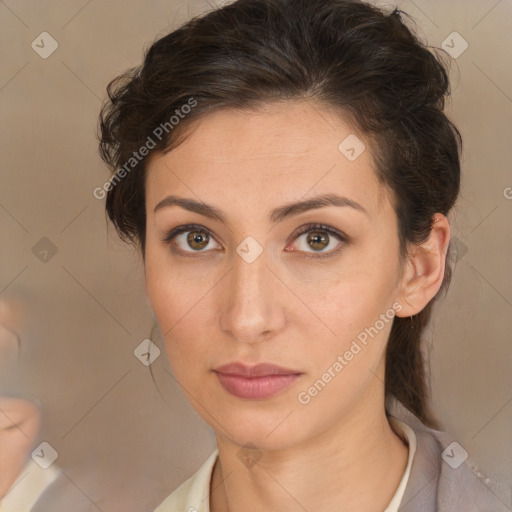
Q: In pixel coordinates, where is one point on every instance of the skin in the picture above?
(286, 307)
(19, 426)
(11, 319)
(19, 418)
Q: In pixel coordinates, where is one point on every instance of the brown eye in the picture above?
(318, 238)
(198, 240)
(189, 239)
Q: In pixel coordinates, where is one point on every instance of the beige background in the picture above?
(122, 444)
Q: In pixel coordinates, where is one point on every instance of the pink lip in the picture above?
(259, 370)
(260, 381)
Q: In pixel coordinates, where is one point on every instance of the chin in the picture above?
(264, 429)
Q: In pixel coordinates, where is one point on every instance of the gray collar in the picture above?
(439, 483)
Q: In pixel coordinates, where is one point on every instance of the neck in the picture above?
(356, 464)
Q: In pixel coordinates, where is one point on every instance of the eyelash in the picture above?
(345, 239)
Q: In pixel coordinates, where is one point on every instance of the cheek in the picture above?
(177, 305)
(355, 304)
(343, 366)
(165, 291)
(351, 299)
(156, 289)
(358, 334)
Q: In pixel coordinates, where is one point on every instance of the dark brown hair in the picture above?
(361, 61)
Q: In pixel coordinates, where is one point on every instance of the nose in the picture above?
(251, 309)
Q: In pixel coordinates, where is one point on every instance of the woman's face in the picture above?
(246, 286)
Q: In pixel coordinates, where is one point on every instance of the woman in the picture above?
(287, 170)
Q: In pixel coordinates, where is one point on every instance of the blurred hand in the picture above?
(12, 314)
(20, 420)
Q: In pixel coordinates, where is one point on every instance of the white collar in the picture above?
(194, 494)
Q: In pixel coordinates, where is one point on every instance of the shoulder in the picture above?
(192, 495)
(444, 478)
(32, 482)
(461, 484)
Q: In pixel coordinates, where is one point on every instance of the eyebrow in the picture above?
(276, 215)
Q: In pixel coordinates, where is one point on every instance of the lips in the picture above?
(259, 370)
(255, 382)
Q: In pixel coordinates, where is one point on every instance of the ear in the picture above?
(423, 272)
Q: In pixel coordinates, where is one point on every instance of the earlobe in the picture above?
(424, 270)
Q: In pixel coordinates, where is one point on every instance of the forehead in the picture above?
(279, 152)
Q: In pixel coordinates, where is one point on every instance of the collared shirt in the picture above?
(30, 484)
(193, 495)
(439, 477)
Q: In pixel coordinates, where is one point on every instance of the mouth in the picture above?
(255, 382)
